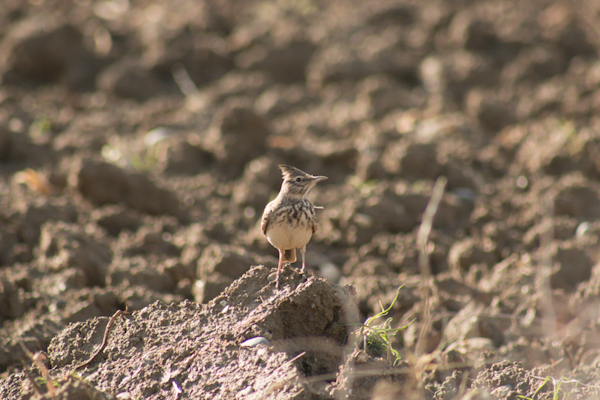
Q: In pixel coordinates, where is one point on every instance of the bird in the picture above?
(290, 220)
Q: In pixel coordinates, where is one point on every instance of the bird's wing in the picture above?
(315, 226)
(264, 222)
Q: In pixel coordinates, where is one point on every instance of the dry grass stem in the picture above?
(424, 267)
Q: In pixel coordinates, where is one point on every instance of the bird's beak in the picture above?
(317, 179)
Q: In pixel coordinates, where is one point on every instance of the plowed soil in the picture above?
(139, 145)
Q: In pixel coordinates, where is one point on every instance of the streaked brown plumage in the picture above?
(289, 221)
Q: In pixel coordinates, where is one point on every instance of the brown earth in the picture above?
(139, 144)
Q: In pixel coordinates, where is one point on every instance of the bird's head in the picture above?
(297, 182)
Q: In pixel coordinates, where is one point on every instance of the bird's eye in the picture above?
(299, 179)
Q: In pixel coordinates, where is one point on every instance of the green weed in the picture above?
(376, 337)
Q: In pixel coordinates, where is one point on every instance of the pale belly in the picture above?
(286, 239)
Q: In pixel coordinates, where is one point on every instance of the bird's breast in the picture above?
(285, 237)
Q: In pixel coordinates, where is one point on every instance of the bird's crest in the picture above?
(289, 171)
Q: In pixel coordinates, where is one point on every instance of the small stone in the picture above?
(255, 341)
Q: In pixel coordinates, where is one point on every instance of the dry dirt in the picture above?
(139, 144)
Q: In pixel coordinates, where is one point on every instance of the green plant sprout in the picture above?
(40, 128)
(377, 337)
(140, 163)
(146, 162)
(43, 381)
(555, 393)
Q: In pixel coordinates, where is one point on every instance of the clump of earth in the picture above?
(139, 145)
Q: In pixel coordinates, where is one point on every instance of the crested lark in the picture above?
(290, 220)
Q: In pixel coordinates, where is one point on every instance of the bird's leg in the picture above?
(279, 268)
(303, 253)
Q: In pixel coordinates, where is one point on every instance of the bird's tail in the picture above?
(289, 255)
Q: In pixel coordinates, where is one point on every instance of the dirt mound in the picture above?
(235, 344)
